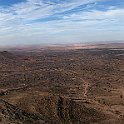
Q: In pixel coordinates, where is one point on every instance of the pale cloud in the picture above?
(19, 24)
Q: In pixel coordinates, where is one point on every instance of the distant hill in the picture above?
(56, 47)
(6, 56)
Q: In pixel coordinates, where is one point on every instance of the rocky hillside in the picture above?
(7, 57)
(10, 114)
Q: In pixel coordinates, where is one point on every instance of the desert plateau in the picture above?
(74, 85)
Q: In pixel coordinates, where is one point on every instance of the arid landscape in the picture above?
(74, 84)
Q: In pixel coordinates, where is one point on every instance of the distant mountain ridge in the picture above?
(7, 56)
(64, 46)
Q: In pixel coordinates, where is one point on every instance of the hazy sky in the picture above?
(60, 21)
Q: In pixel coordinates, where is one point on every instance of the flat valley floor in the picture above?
(84, 86)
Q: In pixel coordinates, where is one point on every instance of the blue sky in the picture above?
(60, 21)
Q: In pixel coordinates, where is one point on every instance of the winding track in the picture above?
(84, 81)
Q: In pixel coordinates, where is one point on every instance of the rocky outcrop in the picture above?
(65, 110)
(10, 114)
(75, 111)
(54, 110)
